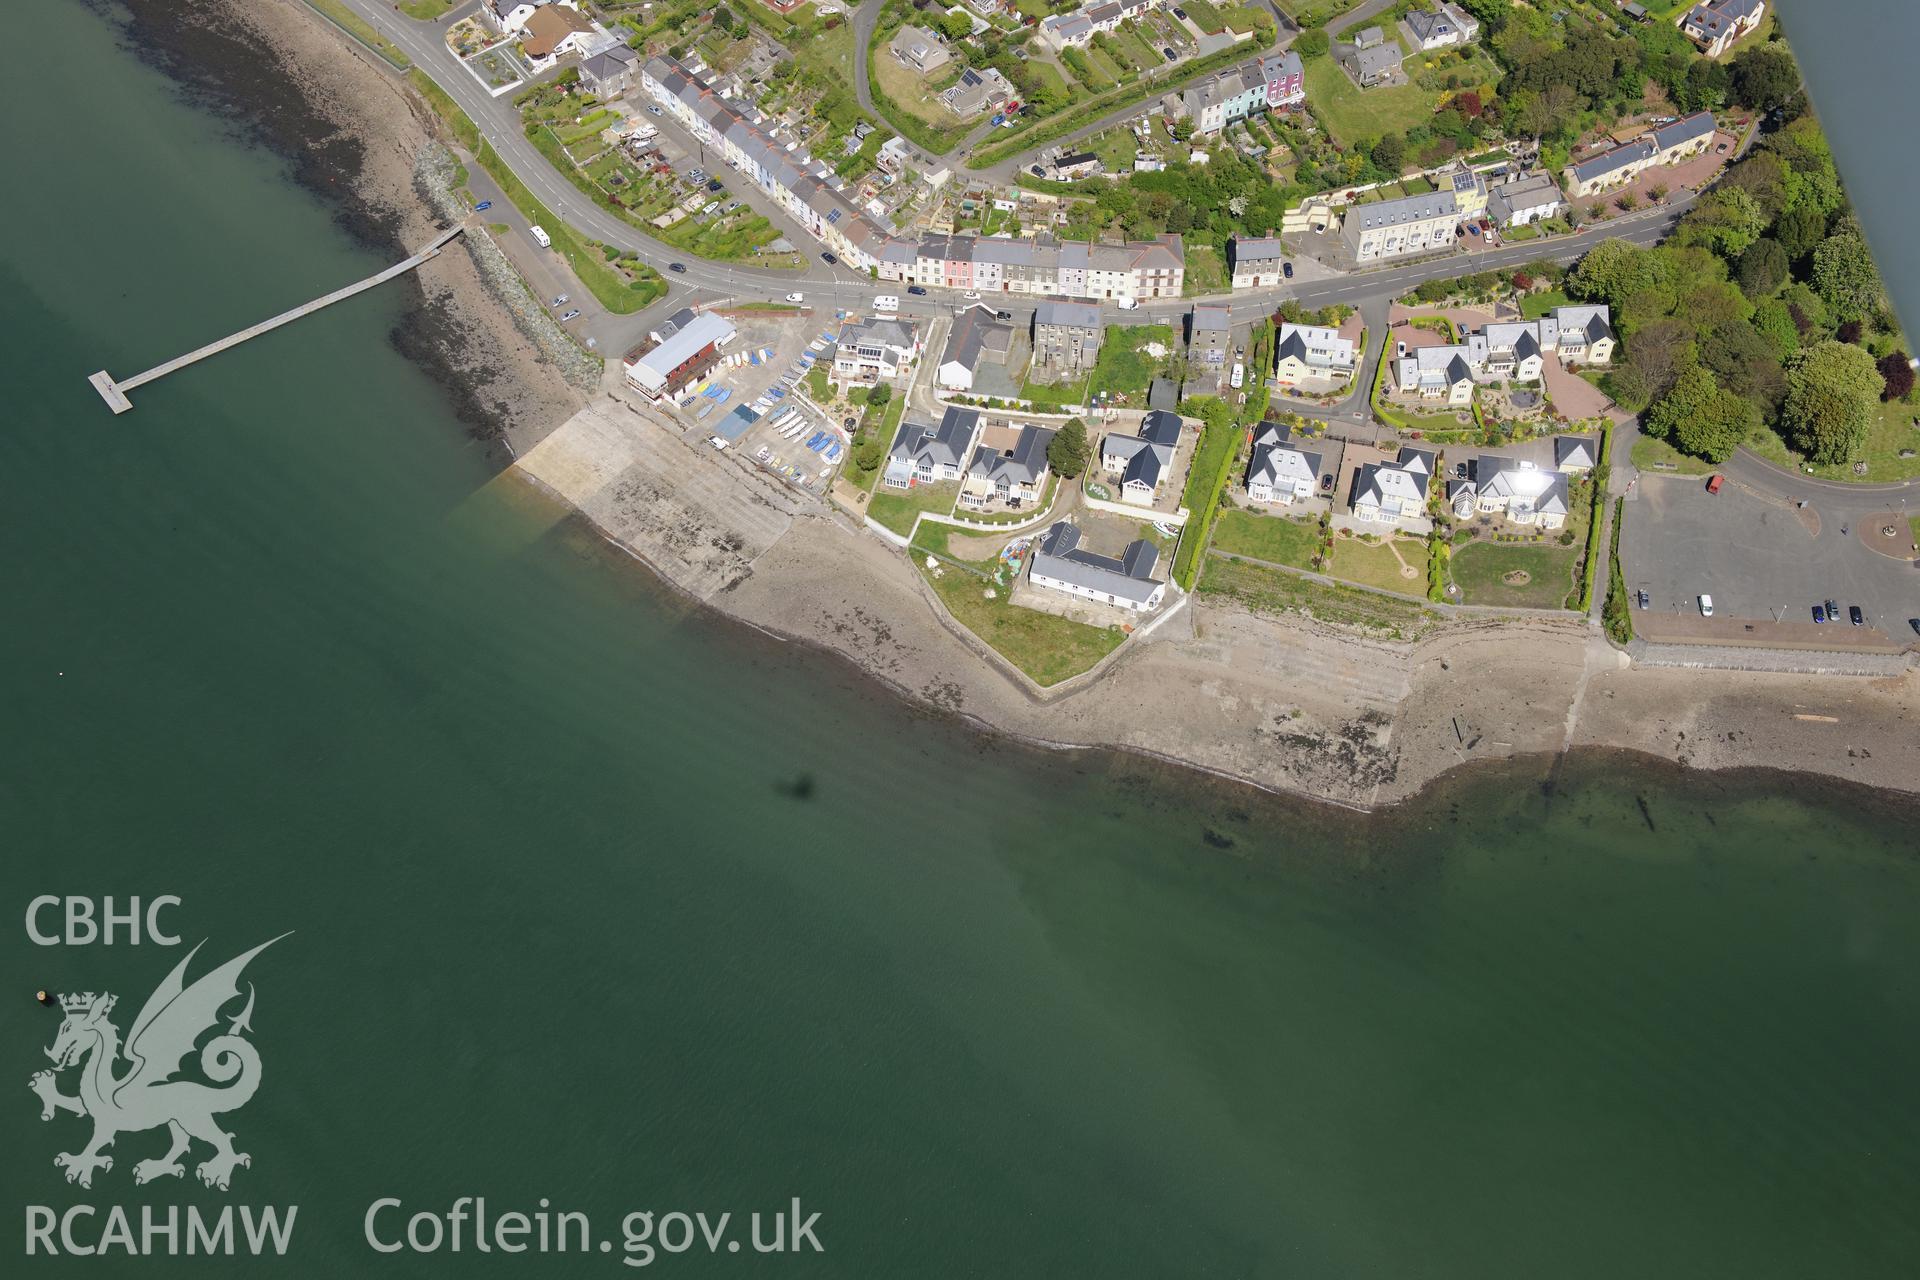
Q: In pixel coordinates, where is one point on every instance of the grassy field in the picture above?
(897, 509)
(1657, 457)
(1273, 538)
(904, 97)
(427, 10)
(1372, 564)
(1480, 567)
(1353, 114)
(1047, 648)
(1892, 430)
(1275, 591)
(1122, 365)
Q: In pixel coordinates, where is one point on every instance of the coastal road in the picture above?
(499, 123)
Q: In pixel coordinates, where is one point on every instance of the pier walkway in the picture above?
(114, 392)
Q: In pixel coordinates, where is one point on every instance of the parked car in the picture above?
(483, 206)
(718, 442)
(829, 259)
(653, 111)
(1642, 598)
(1854, 616)
(796, 297)
(680, 267)
(1714, 483)
(1706, 605)
(1003, 315)
(916, 291)
(1286, 269)
(560, 301)
(971, 296)
(1833, 611)
(1915, 624)
(573, 313)
(1819, 613)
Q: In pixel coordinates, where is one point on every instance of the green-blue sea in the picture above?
(603, 903)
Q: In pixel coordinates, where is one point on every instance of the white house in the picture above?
(875, 349)
(1138, 463)
(923, 454)
(1304, 351)
(1062, 564)
(1280, 472)
(1435, 373)
(1391, 492)
(1531, 198)
(555, 30)
(1715, 25)
(508, 16)
(1009, 466)
(1518, 488)
(1441, 27)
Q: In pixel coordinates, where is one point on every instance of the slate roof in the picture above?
(1024, 464)
(1573, 451)
(1698, 125)
(977, 334)
(1405, 209)
(944, 445)
(1072, 315)
(1129, 577)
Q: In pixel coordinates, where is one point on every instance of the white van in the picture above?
(540, 237)
(1706, 606)
(887, 302)
(1239, 375)
(1127, 304)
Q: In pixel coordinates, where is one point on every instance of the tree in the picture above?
(879, 393)
(1390, 153)
(1765, 77)
(1832, 389)
(867, 455)
(1850, 331)
(955, 26)
(1896, 370)
(1717, 428)
(1686, 400)
(1772, 321)
(1467, 103)
(1068, 452)
(1844, 276)
(1725, 221)
(1763, 268)
(723, 18)
(1313, 44)
(1183, 128)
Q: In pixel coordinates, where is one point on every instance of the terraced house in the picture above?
(1397, 228)
(1512, 351)
(805, 188)
(1042, 266)
(1265, 84)
(1669, 144)
(1074, 30)
(1259, 262)
(1066, 335)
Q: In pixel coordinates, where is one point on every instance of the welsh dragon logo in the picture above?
(147, 1095)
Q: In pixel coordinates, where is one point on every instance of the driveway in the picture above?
(1573, 395)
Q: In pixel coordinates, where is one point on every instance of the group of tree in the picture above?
(1752, 313)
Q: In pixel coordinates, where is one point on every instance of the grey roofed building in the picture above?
(978, 333)
(1078, 315)
(919, 49)
(1637, 152)
(1023, 464)
(1694, 127)
(978, 90)
(1525, 490)
(1402, 210)
(1536, 195)
(1446, 23)
(1163, 394)
(1145, 455)
(1209, 337)
(927, 454)
(1371, 66)
(1061, 558)
(1277, 462)
(610, 72)
(1370, 37)
(1573, 452)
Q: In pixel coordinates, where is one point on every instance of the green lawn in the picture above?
(1116, 148)
(897, 509)
(427, 10)
(1047, 648)
(1535, 305)
(1353, 114)
(360, 29)
(1276, 591)
(1479, 570)
(1273, 538)
(1372, 564)
(1657, 457)
(1892, 430)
